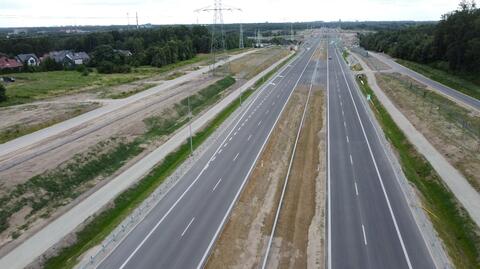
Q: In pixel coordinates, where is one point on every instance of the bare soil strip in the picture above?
(299, 238)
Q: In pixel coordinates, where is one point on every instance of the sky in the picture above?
(25, 13)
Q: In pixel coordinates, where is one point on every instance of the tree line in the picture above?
(453, 44)
(157, 46)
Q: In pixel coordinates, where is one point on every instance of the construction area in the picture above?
(44, 180)
(299, 236)
(454, 130)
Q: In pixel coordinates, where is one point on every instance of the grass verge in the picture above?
(345, 55)
(464, 84)
(452, 223)
(104, 223)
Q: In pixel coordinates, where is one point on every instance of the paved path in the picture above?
(62, 226)
(445, 90)
(456, 182)
(36, 137)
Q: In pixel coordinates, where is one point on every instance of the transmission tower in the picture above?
(218, 39)
(240, 43)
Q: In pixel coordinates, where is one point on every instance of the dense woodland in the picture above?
(453, 44)
(157, 47)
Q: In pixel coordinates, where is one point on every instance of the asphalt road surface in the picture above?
(180, 231)
(369, 222)
(456, 95)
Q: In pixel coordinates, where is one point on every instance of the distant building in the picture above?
(68, 58)
(76, 58)
(9, 64)
(29, 58)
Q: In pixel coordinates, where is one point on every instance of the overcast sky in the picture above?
(22, 13)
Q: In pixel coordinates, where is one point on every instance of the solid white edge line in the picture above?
(356, 188)
(188, 226)
(277, 215)
(376, 169)
(220, 227)
(329, 196)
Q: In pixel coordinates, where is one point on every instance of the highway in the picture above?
(454, 94)
(181, 230)
(369, 221)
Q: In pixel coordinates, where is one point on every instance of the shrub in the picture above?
(3, 93)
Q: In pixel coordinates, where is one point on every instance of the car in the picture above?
(8, 79)
(329, 58)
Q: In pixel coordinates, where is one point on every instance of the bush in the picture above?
(3, 93)
(105, 67)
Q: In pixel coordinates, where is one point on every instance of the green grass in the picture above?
(345, 55)
(104, 223)
(456, 229)
(465, 84)
(30, 87)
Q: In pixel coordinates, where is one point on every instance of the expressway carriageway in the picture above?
(182, 228)
(370, 224)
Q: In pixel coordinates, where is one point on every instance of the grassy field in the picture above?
(452, 223)
(30, 87)
(467, 85)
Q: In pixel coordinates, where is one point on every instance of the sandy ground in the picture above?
(260, 59)
(125, 124)
(299, 237)
(462, 150)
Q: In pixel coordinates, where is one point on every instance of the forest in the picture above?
(453, 44)
(157, 46)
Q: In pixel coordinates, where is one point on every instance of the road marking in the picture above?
(329, 196)
(230, 139)
(220, 151)
(250, 136)
(226, 144)
(364, 235)
(356, 188)
(399, 234)
(351, 160)
(348, 140)
(220, 227)
(260, 122)
(188, 226)
(234, 134)
(343, 113)
(213, 158)
(236, 156)
(344, 124)
(218, 182)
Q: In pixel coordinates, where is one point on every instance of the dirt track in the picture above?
(299, 239)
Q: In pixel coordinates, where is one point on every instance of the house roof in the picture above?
(58, 56)
(8, 63)
(25, 57)
(79, 56)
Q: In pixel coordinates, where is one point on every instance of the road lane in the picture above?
(374, 229)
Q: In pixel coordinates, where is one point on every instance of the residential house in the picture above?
(29, 58)
(77, 58)
(57, 56)
(9, 64)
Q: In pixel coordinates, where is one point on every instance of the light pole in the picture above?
(190, 125)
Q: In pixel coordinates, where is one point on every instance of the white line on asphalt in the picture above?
(213, 158)
(329, 196)
(356, 188)
(220, 151)
(343, 112)
(236, 156)
(364, 235)
(230, 139)
(218, 182)
(220, 227)
(348, 140)
(234, 134)
(239, 117)
(225, 145)
(376, 169)
(351, 160)
(250, 136)
(344, 124)
(260, 122)
(188, 226)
